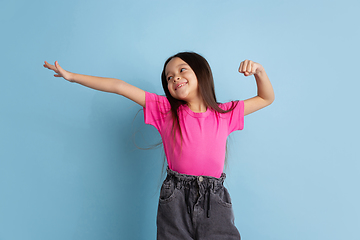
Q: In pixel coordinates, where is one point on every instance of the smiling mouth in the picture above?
(179, 86)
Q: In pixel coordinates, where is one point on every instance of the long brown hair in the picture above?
(206, 85)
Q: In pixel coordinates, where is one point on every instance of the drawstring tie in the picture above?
(208, 203)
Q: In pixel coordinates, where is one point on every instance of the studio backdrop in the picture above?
(72, 159)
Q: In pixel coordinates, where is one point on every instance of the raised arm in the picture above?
(112, 85)
(265, 93)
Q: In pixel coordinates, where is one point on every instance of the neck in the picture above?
(197, 106)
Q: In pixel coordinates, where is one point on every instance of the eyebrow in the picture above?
(177, 67)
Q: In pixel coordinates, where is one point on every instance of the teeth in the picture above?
(180, 85)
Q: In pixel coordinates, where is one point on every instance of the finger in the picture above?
(240, 68)
(54, 69)
(244, 67)
(45, 64)
(249, 67)
(49, 66)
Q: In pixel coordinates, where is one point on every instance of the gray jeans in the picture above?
(195, 207)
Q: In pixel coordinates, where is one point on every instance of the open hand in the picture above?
(249, 67)
(60, 72)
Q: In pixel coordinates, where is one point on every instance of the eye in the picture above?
(169, 78)
(183, 69)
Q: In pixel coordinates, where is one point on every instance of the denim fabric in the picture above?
(195, 208)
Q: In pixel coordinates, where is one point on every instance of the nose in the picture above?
(177, 78)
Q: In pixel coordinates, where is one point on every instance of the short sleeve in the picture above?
(236, 116)
(156, 109)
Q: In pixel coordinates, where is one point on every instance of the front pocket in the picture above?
(167, 191)
(223, 197)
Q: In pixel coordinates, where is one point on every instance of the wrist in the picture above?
(260, 72)
(71, 77)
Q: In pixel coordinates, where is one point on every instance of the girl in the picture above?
(193, 202)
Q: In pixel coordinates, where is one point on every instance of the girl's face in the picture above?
(182, 81)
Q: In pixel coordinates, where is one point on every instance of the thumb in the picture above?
(61, 72)
(58, 66)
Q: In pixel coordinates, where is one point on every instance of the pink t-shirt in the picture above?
(203, 145)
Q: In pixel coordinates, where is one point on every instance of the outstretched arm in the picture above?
(112, 85)
(265, 94)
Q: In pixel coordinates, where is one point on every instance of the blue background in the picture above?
(69, 167)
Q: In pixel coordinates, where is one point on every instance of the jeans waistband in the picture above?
(205, 182)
